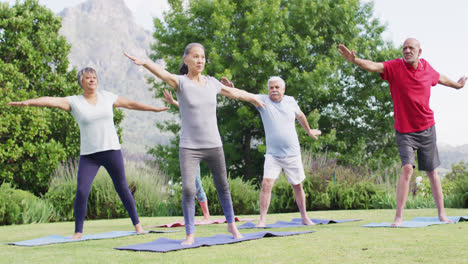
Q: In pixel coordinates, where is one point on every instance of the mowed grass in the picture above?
(334, 243)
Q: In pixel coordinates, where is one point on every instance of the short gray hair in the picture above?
(80, 74)
(274, 79)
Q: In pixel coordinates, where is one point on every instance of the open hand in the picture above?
(347, 54)
(314, 133)
(226, 82)
(160, 109)
(23, 103)
(137, 61)
(168, 97)
(258, 103)
(461, 82)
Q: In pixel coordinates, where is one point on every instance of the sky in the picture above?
(440, 26)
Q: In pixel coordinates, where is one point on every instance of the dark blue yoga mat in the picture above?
(55, 239)
(166, 244)
(420, 222)
(295, 223)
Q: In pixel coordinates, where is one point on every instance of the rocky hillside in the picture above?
(99, 32)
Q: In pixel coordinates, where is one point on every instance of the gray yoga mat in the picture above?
(420, 222)
(55, 239)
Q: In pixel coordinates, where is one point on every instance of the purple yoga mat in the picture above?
(166, 244)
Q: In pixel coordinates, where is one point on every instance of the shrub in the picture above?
(351, 196)
(22, 207)
(461, 192)
(145, 183)
(62, 197)
(244, 196)
(316, 195)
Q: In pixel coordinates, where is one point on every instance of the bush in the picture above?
(316, 195)
(347, 196)
(460, 199)
(62, 198)
(145, 183)
(282, 197)
(244, 196)
(22, 207)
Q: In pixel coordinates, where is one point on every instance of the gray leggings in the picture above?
(189, 162)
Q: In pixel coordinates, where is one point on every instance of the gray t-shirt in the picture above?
(279, 122)
(197, 106)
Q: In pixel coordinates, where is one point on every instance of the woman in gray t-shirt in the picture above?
(199, 134)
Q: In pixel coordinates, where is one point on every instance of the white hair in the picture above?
(276, 79)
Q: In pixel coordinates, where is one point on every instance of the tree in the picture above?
(249, 41)
(33, 63)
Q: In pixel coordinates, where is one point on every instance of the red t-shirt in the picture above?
(411, 90)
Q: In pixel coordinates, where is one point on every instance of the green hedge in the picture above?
(22, 207)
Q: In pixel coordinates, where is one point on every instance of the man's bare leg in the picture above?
(402, 193)
(265, 197)
(301, 203)
(436, 188)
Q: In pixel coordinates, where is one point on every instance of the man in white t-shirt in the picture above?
(283, 150)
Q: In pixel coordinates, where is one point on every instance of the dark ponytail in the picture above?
(183, 67)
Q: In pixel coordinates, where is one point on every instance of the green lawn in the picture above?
(335, 243)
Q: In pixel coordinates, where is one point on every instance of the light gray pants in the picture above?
(189, 162)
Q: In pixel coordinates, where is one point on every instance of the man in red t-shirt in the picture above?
(410, 80)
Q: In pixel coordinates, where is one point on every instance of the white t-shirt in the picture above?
(197, 106)
(96, 122)
(279, 122)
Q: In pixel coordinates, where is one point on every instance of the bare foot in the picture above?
(77, 236)
(397, 221)
(444, 218)
(261, 222)
(139, 229)
(232, 228)
(306, 221)
(189, 240)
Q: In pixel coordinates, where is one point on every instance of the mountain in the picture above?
(452, 155)
(99, 32)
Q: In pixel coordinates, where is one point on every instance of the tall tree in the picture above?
(33, 63)
(249, 40)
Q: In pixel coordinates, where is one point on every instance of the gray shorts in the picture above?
(425, 144)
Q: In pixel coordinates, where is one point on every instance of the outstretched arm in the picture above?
(238, 94)
(57, 102)
(364, 64)
(169, 99)
(133, 105)
(157, 70)
(444, 80)
(305, 124)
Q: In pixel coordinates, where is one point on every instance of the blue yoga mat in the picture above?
(55, 239)
(420, 222)
(295, 223)
(166, 244)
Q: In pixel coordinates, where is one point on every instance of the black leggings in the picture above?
(88, 167)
